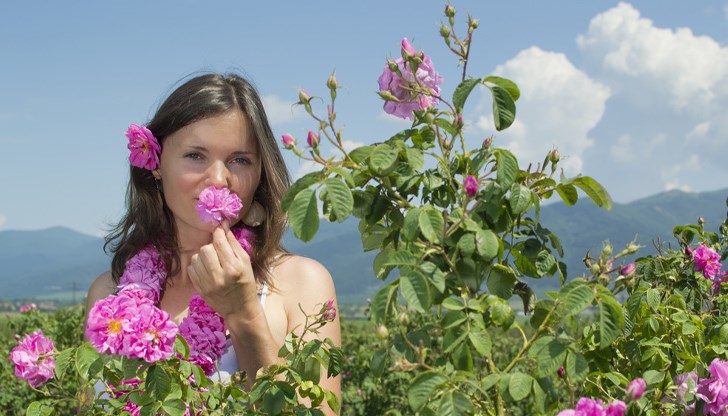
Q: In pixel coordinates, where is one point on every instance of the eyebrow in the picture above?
(235, 153)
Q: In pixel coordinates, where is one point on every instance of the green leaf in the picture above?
(423, 387)
(480, 339)
(455, 403)
(611, 319)
(467, 244)
(416, 291)
(506, 84)
(411, 224)
(401, 257)
(336, 362)
(544, 262)
(340, 198)
(303, 215)
(549, 354)
(501, 281)
(504, 108)
(594, 190)
(567, 193)
(274, 400)
(158, 382)
(462, 358)
(519, 199)
(576, 367)
(575, 297)
(462, 92)
(519, 386)
(380, 358)
(507, 166)
(88, 361)
(383, 302)
(431, 223)
(302, 183)
(360, 154)
(40, 409)
(486, 242)
(502, 314)
(416, 158)
(453, 304)
(63, 360)
(175, 407)
(653, 377)
(382, 159)
(653, 298)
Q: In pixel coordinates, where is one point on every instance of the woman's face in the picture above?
(220, 150)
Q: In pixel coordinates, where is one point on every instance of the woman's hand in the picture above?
(222, 274)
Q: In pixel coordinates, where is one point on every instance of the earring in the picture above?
(157, 183)
(255, 216)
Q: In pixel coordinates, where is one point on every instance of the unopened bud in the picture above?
(382, 331)
(701, 220)
(607, 250)
(487, 142)
(459, 121)
(554, 156)
(444, 31)
(303, 97)
(449, 11)
(407, 49)
(288, 141)
(632, 248)
(594, 268)
(393, 66)
(474, 23)
(628, 270)
(387, 96)
(560, 372)
(404, 318)
(312, 139)
(331, 82)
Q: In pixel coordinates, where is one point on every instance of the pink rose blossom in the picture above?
(628, 270)
(144, 147)
(27, 308)
(407, 49)
(636, 388)
(707, 261)
(714, 390)
(144, 274)
(33, 360)
(288, 141)
(152, 336)
(217, 204)
(109, 321)
(414, 91)
(471, 185)
(246, 238)
(204, 331)
(616, 408)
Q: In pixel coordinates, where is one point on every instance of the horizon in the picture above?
(632, 94)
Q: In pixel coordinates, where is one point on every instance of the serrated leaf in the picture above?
(303, 215)
(594, 190)
(462, 91)
(416, 291)
(423, 387)
(383, 302)
(519, 199)
(453, 304)
(480, 340)
(431, 224)
(549, 354)
(455, 403)
(504, 108)
(302, 183)
(63, 360)
(274, 400)
(382, 159)
(340, 197)
(519, 386)
(158, 382)
(401, 258)
(501, 281)
(567, 193)
(39, 409)
(416, 158)
(379, 362)
(174, 407)
(467, 244)
(576, 367)
(486, 242)
(575, 298)
(88, 361)
(506, 84)
(611, 319)
(507, 166)
(411, 226)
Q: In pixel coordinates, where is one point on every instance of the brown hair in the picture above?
(148, 220)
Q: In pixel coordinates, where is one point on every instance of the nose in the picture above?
(219, 175)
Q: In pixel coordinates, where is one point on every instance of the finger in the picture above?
(240, 253)
(208, 260)
(225, 253)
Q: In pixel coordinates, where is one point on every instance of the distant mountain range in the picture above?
(61, 263)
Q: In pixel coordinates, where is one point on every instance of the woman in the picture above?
(213, 131)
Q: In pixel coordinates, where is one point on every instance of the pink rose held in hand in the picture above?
(217, 204)
(33, 359)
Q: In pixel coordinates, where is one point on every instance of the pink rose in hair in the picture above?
(144, 147)
(33, 360)
(217, 204)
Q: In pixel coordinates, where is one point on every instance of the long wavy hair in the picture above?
(148, 219)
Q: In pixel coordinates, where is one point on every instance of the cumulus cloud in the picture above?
(676, 62)
(558, 107)
(279, 110)
(664, 126)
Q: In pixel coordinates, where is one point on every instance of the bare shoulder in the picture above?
(301, 280)
(101, 287)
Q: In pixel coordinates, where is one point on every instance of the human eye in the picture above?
(193, 155)
(241, 161)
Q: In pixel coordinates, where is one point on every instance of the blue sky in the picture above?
(634, 94)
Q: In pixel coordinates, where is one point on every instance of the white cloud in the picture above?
(350, 145)
(676, 63)
(279, 110)
(558, 107)
(621, 150)
(670, 186)
(699, 131)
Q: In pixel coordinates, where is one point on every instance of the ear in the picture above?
(157, 174)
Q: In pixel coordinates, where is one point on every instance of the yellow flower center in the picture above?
(115, 326)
